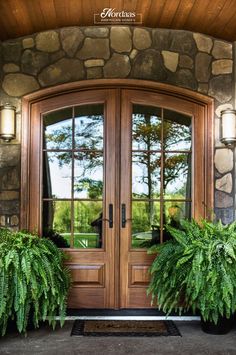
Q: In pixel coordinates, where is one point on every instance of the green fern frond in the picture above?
(33, 279)
(196, 270)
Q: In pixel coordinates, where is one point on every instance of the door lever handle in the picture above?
(110, 214)
(123, 216)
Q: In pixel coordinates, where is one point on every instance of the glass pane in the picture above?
(88, 224)
(177, 175)
(57, 222)
(146, 127)
(88, 182)
(174, 212)
(176, 131)
(57, 175)
(89, 127)
(58, 129)
(145, 224)
(146, 175)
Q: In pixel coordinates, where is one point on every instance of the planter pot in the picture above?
(223, 326)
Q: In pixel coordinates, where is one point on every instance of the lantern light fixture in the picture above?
(228, 127)
(7, 122)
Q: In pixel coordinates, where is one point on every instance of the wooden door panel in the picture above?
(87, 298)
(137, 298)
(139, 275)
(92, 270)
(88, 275)
(135, 274)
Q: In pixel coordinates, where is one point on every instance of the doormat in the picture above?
(124, 328)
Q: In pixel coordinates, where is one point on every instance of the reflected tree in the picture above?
(60, 138)
(94, 187)
(62, 218)
(87, 141)
(147, 131)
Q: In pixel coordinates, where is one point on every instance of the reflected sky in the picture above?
(145, 175)
(58, 176)
(88, 173)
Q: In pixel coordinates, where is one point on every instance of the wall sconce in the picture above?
(228, 127)
(7, 122)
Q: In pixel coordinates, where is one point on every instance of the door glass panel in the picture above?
(88, 178)
(177, 175)
(57, 174)
(58, 129)
(145, 223)
(89, 127)
(88, 224)
(146, 127)
(161, 172)
(57, 222)
(73, 170)
(176, 131)
(146, 175)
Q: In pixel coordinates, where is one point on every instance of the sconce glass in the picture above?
(7, 122)
(228, 127)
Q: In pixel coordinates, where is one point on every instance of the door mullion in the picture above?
(111, 188)
(117, 198)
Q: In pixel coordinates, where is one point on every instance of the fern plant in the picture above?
(33, 280)
(196, 270)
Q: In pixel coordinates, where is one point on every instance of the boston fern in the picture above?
(196, 270)
(33, 280)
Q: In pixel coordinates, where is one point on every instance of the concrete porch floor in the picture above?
(58, 342)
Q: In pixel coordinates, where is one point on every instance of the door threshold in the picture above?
(143, 318)
(127, 314)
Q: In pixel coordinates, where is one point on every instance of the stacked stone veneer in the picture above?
(190, 60)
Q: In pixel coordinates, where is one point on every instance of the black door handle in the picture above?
(123, 215)
(110, 215)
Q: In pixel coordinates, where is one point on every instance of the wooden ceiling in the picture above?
(213, 17)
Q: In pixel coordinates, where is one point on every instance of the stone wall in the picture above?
(190, 60)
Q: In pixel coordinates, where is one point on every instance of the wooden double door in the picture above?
(110, 168)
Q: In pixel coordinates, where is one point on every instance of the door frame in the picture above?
(206, 103)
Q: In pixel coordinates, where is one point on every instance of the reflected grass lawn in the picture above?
(90, 240)
(83, 240)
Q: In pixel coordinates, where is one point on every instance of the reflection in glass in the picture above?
(57, 222)
(146, 175)
(89, 127)
(177, 175)
(145, 223)
(58, 129)
(88, 170)
(57, 174)
(88, 224)
(146, 127)
(174, 212)
(176, 131)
